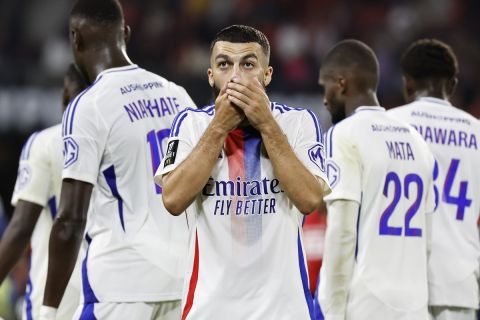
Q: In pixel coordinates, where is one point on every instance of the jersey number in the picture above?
(392, 178)
(461, 201)
(155, 139)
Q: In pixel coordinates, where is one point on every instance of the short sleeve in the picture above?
(33, 178)
(84, 139)
(343, 166)
(309, 147)
(180, 144)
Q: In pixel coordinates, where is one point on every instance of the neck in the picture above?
(364, 99)
(105, 58)
(439, 94)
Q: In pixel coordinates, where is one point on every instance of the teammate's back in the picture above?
(429, 69)
(115, 133)
(388, 161)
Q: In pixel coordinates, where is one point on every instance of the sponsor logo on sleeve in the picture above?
(171, 153)
(316, 155)
(70, 151)
(333, 173)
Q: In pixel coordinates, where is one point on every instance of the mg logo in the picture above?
(333, 173)
(316, 156)
(70, 151)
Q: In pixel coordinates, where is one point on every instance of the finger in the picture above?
(239, 103)
(239, 95)
(240, 88)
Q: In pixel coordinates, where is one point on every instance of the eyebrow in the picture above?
(222, 56)
(226, 57)
(251, 55)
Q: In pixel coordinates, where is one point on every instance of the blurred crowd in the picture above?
(172, 38)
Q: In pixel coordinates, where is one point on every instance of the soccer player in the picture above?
(35, 198)
(251, 170)
(429, 76)
(380, 172)
(114, 136)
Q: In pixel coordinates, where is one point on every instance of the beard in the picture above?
(337, 110)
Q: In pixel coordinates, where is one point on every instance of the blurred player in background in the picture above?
(380, 171)
(114, 136)
(429, 76)
(35, 198)
(251, 169)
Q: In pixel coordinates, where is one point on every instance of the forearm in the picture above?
(182, 185)
(301, 186)
(65, 240)
(12, 246)
(339, 257)
(17, 235)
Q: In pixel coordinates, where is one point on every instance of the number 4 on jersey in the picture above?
(155, 140)
(461, 201)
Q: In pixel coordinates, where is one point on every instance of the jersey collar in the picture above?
(118, 69)
(435, 100)
(370, 108)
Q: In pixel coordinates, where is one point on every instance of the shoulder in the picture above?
(190, 117)
(304, 117)
(403, 109)
(35, 145)
(283, 112)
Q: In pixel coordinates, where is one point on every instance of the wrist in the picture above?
(269, 128)
(47, 313)
(218, 129)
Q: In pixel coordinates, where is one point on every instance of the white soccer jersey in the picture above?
(452, 135)
(39, 181)
(114, 135)
(385, 166)
(246, 256)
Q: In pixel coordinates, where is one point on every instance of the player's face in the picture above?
(332, 96)
(243, 60)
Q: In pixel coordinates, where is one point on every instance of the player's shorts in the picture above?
(364, 305)
(165, 310)
(452, 313)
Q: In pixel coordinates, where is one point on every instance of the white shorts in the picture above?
(165, 310)
(364, 305)
(452, 313)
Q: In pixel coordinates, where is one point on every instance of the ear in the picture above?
(267, 76)
(408, 88)
(127, 32)
(342, 85)
(211, 81)
(451, 86)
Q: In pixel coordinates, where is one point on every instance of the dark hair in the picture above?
(101, 11)
(74, 74)
(356, 56)
(242, 34)
(429, 58)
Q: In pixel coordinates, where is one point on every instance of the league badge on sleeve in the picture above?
(316, 155)
(171, 153)
(70, 151)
